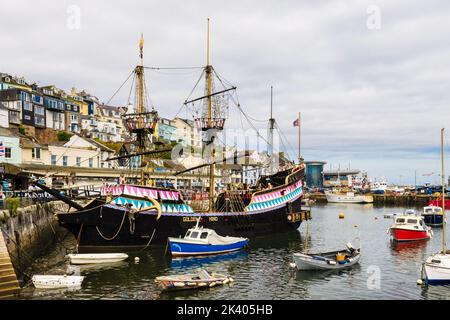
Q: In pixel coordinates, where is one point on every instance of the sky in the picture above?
(370, 78)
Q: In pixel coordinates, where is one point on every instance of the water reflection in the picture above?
(198, 262)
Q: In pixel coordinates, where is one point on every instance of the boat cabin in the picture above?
(198, 234)
(432, 210)
(417, 222)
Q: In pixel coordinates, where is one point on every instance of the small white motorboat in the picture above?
(56, 281)
(329, 260)
(436, 269)
(390, 215)
(93, 258)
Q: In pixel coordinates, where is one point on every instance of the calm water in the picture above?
(263, 271)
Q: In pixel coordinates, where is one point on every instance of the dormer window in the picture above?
(21, 81)
(7, 79)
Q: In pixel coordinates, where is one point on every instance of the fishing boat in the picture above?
(436, 268)
(56, 281)
(136, 215)
(409, 227)
(95, 258)
(203, 241)
(333, 260)
(198, 280)
(433, 216)
(347, 197)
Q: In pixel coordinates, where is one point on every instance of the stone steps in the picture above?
(9, 286)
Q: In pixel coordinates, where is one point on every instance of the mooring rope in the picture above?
(148, 243)
(117, 233)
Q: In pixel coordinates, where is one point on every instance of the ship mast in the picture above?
(212, 167)
(143, 122)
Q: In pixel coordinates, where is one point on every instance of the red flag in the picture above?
(297, 122)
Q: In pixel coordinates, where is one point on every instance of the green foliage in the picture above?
(12, 204)
(22, 130)
(64, 136)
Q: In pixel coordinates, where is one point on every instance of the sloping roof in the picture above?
(99, 145)
(28, 143)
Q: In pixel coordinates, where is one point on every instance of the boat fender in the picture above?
(331, 262)
(231, 279)
(292, 265)
(179, 284)
(212, 284)
(341, 215)
(225, 281)
(192, 283)
(343, 262)
(350, 259)
(419, 282)
(136, 259)
(202, 284)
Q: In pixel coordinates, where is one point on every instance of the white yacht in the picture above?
(347, 197)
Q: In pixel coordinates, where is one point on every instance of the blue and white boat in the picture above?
(203, 241)
(433, 216)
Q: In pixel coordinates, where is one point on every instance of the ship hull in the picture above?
(112, 226)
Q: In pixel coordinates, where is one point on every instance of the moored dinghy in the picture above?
(329, 260)
(56, 281)
(94, 258)
(201, 279)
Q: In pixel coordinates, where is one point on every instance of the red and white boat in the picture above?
(409, 227)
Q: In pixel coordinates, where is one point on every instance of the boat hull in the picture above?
(437, 272)
(179, 248)
(309, 262)
(96, 258)
(53, 282)
(113, 227)
(433, 219)
(399, 234)
(336, 198)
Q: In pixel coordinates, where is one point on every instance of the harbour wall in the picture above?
(28, 232)
(387, 199)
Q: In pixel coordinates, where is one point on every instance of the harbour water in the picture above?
(386, 271)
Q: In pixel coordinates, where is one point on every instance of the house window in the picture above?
(91, 163)
(27, 106)
(64, 160)
(53, 160)
(36, 153)
(39, 110)
(8, 153)
(78, 161)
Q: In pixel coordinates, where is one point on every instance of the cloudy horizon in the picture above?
(372, 93)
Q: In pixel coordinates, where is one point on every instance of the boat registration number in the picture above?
(194, 219)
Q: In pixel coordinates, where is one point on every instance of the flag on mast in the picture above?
(297, 123)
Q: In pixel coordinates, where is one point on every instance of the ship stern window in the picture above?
(204, 235)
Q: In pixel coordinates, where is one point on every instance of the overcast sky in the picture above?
(372, 92)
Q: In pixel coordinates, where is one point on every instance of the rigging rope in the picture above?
(132, 72)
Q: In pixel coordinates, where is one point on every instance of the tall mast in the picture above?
(299, 140)
(212, 167)
(444, 250)
(140, 77)
(271, 128)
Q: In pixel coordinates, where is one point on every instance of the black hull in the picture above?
(106, 227)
